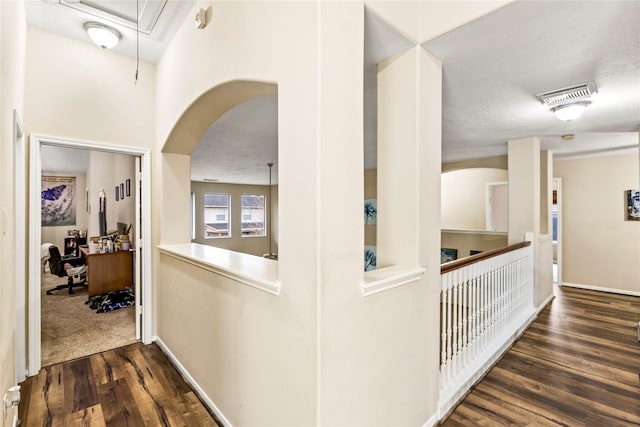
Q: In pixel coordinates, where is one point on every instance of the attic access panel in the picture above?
(121, 12)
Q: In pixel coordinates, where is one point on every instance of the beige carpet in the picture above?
(70, 329)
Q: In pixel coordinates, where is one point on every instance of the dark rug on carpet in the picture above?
(112, 301)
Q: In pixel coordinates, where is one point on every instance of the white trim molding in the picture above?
(189, 379)
(545, 303)
(601, 289)
(386, 278)
(431, 421)
(260, 273)
(20, 228)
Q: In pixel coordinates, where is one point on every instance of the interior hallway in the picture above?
(578, 364)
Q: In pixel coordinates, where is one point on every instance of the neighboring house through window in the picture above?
(217, 209)
(253, 215)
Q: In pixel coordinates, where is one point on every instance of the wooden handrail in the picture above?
(463, 262)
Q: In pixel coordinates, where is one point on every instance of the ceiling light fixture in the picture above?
(569, 103)
(102, 35)
(571, 111)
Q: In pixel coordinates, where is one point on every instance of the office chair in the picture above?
(67, 266)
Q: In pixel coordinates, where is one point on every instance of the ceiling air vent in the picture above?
(568, 95)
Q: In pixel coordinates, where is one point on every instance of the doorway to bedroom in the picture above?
(82, 311)
(88, 234)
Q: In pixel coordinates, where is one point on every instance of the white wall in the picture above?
(599, 248)
(266, 373)
(87, 93)
(12, 52)
(106, 170)
(125, 208)
(464, 197)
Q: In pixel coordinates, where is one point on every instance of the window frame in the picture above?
(215, 215)
(264, 215)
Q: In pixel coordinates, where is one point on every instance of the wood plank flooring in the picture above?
(134, 385)
(577, 365)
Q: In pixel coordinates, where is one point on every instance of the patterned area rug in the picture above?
(71, 329)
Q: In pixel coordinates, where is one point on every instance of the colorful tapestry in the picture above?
(58, 201)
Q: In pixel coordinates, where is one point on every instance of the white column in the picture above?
(525, 179)
(524, 188)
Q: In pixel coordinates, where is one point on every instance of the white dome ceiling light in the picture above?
(571, 111)
(102, 35)
(569, 103)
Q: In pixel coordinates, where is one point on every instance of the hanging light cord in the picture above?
(137, 40)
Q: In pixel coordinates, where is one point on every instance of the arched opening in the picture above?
(234, 176)
(204, 111)
(231, 134)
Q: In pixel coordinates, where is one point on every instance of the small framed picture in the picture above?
(632, 208)
(117, 193)
(448, 255)
(128, 187)
(122, 190)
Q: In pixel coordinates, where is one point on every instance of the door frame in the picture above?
(142, 256)
(489, 206)
(557, 186)
(20, 244)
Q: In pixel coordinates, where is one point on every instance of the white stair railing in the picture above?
(486, 301)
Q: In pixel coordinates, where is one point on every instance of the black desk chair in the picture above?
(57, 267)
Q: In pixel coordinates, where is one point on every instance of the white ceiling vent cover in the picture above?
(567, 95)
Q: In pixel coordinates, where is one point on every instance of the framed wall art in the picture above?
(370, 258)
(448, 255)
(58, 201)
(632, 205)
(370, 212)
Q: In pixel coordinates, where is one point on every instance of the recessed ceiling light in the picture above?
(210, 179)
(102, 35)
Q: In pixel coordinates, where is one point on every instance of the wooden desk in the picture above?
(110, 271)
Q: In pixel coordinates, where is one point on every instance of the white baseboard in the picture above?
(544, 304)
(601, 289)
(203, 396)
(431, 421)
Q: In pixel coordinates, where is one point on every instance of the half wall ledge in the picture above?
(251, 270)
(386, 278)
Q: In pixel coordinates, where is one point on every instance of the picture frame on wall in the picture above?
(632, 205)
(117, 193)
(122, 190)
(448, 255)
(58, 205)
(127, 186)
(370, 258)
(370, 212)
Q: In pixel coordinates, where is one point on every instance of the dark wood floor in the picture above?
(134, 385)
(577, 365)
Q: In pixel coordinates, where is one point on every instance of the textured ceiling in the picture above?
(492, 69)
(238, 146)
(494, 66)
